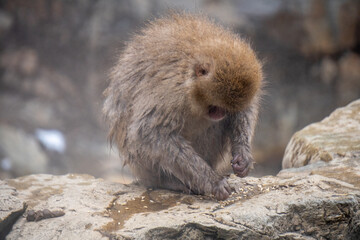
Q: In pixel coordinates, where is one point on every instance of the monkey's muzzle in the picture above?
(216, 113)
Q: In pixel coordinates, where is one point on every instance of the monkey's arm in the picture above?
(242, 130)
(163, 147)
(180, 160)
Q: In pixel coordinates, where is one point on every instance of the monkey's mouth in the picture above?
(216, 113)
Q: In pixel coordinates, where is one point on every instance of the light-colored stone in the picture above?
(83, 198)
(11, 208)
(343, 169)
(336, 136)
(297, 204)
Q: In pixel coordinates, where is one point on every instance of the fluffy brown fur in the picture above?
(183, 95)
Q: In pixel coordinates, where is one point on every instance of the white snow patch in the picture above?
(52, 139)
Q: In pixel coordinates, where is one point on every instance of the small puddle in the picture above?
(149, 201)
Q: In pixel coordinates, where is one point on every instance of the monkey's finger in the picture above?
(228, 189)
(221, 191)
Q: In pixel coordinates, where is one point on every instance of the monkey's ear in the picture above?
(201, 69)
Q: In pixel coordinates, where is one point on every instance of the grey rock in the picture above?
(82, 198)
(336, 136)
(302, 204)
(11, 208)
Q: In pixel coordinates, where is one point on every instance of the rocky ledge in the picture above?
(315, 201)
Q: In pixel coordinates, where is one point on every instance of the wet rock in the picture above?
(301, 204)
(22, 150)
(336, 136)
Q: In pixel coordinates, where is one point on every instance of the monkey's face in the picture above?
(225, 83)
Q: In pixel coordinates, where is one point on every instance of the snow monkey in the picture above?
(184, 95)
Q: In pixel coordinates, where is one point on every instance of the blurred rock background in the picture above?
(55, 55)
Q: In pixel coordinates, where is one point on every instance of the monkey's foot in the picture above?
(241, 165)
(222, 190)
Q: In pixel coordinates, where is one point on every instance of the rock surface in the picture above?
(336, 136)
(11, 208)
(317, 201)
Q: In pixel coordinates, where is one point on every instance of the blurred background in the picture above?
(55, 56)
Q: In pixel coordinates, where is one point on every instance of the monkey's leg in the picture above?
(180, 160)
(243, 125)
(148, 178)
(170, 182)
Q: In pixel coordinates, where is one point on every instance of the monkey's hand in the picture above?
(180, 161)
(221, 190)
(241, 165)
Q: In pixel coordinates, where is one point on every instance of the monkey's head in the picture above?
(226, 77)
(219, 70)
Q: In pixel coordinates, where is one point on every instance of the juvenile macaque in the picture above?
(183, 96)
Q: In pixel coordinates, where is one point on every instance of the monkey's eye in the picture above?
(201, 70)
